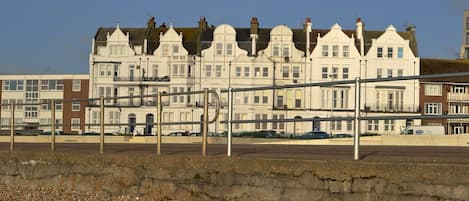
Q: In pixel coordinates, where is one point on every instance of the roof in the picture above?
(196, 39)
(442, 66)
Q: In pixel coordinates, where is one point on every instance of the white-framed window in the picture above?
(218, 71)
(388, 125)
(379, 73)
(286, 51)
(75, 105)
(219, 48)
(229, 49)
(208, 71)
(335, 51)
(325, 51)
(379, 52)
(432, 108)
(346, 51)
(324, 72)
(175, 98)
(13, 85)
(246, 71)
(400, 52)
(276, 50)
(175, 70)
(296, 72)
(458, 108)
(265, 99)
(335, 72)
(175, 49)
(390, 52)
(75, 124)
(345, 73)
(459, 89)
(238, 71)
(389, 72)
(182, 70)
(76, 85)
(433, 90)
(349, 125)
(285, 71)
(400, 72)
(265, 72)
(257, 72)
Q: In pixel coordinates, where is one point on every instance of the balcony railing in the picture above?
(145, 79)
(392, 108)
(458, 96)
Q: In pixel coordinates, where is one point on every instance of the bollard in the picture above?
(101, 137)
(159, 117)
(205, 126)
(12, 126)
(52, 129)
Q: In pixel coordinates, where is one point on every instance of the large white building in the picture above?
(143, 61)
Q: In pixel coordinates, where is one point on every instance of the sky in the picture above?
(54, 36)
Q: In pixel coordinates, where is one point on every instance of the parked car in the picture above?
(342, 135)
(179, 133)
(195, 134)
(314, 135)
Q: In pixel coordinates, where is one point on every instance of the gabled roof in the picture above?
(195, 39)
(442, 66)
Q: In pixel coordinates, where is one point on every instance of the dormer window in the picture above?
(325, 51)
(117, 50)
(276, 51)
(219, 49)
(346, 51)
(379, 53)
(175, 49)
(229, 49)
(286, 51)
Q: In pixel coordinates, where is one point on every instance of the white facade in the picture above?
(122, 68)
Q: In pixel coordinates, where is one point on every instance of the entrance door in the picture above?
(132, 123)
(149, 121)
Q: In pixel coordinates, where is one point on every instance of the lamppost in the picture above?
(332, 102)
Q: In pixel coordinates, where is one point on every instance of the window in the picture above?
(175, 98)
(238, 71)
(349, 125)
(459, 89)
(285, 72)
(467, 23)
(376, 124)
(229, 49)
(390, 53)
(219, 49)
(345, 73)
(281, 125)
(389, 72)
(387, 124)
(433, 108)
(13, 85)
(325, 51)
(279, 101)
(175, 49)
(467, 37)
(276, 51)
(256, 99)
(265, 99)
(75, 124)
(175, 70)
(257, 72)
(345, 50)
(457, 108)
(154, 70)
(433, 90)
(264, 124)
(274, 124)
(208, 71)
(76, 106)
(76, 85)
(298, 98)
(218, 70)
(379, 73)
(265, 72)
(246, 71)
(324, 73)
(182, 68)
(399, 72)
(181, 97)
(286, 52)
(296, 71)
(335, 51)
(380, 52)
(335, 72)
(400, 52)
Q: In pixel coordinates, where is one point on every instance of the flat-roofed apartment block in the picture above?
(465, 41)
(445, 95)
(35, 90)
(135, 62)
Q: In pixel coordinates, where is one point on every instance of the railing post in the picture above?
(357, 120)
(230, 118)
(159, 116)
(101, 137)
(205, 128)
(52, 128)
(12, 126)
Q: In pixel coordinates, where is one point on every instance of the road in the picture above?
(432, 154)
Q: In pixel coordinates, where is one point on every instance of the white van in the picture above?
(424, 130)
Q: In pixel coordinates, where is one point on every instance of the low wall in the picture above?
(220, 178)
(423, 140)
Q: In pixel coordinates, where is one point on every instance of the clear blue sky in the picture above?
(54, 36)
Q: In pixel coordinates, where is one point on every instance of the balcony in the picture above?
(144, 79)
(392, 108)
(458, 97)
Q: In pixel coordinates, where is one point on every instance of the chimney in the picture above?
(254, 35)
(202, 24)
(307, 28)
(359, 33)
(150, 25)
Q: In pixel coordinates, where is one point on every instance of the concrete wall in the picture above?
(221, 178)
